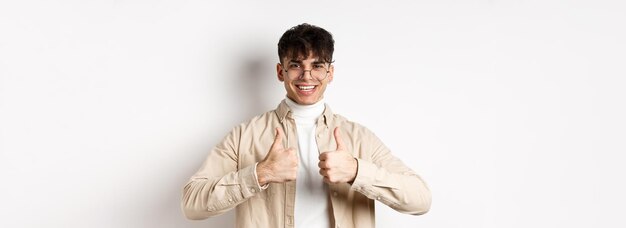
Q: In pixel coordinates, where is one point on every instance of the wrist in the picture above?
(261, 172)
(356, 170)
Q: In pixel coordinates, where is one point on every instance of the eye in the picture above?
(319, 66)
(294, 66)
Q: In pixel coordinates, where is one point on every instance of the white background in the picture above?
(512, 111)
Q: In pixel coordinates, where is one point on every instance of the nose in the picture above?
(304, 73)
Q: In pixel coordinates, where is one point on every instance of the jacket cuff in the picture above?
(250, 184)
(365, 176)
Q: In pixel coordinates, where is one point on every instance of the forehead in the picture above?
(301, 59)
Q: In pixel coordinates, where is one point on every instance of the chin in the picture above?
(306, 101)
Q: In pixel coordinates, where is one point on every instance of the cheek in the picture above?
(323, 87)
(290, 88)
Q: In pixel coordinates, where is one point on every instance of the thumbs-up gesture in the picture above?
(279, 165)
(338, 166)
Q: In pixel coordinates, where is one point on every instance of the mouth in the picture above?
(306, 88)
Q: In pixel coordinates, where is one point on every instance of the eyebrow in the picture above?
(300, 61)
(295, 61)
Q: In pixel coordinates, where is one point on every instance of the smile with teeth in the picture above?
(306, 88)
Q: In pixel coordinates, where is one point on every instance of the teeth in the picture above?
(306, 87)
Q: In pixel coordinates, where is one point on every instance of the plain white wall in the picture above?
(512, 111)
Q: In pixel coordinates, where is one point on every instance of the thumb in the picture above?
(278, 139)
(338, 139)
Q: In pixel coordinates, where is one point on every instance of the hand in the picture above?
(338, 166)
(279, 165)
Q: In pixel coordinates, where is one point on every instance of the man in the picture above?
(302, 165)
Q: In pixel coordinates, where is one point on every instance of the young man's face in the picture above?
(305, 79)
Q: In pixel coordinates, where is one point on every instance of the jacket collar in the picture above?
(283, 111)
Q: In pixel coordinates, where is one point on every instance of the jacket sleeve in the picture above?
(385, 178)
(220, 184)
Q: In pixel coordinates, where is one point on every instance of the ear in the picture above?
(331, 73)
(279, 72)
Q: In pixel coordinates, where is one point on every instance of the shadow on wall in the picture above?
(258, 89)
(249, 81)
(257, 86)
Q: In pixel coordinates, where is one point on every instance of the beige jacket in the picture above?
(227, 178)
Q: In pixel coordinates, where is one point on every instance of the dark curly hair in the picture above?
(303, 40)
